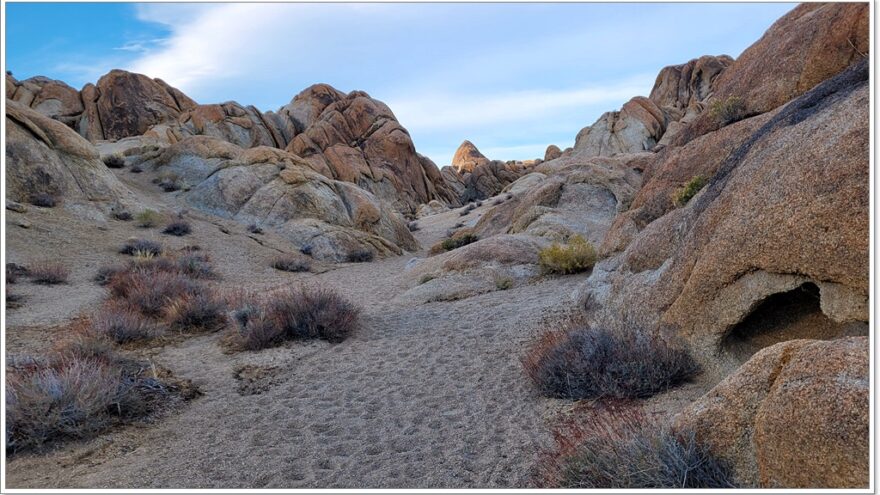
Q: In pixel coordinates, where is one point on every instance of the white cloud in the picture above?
(433, 112)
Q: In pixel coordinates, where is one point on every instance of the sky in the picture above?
(511, 78)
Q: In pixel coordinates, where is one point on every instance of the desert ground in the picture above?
(299, 299)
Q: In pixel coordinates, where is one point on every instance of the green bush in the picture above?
(576, 256)
(729, 110)
(684, 194)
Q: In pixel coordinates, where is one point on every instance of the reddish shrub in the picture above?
(619, 447)
(48, 273)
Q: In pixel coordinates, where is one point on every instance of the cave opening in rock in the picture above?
(795, 314)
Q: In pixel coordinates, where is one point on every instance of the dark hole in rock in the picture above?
(795, 314)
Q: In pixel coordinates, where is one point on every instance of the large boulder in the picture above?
(796, 415)
(572, 195)
(49, 97)
(638, 126)
(357, 139)
(128, 104)
(467, 157)
(775, 247)
(45, 157)
(272, 188)
(807, 46)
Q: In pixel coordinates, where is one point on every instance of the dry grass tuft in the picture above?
(576, 256)
(48, 273)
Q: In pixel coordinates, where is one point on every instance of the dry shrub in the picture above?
(199, 312)
(151, 292)
(123, 324)
(48, 273)
(287, 263)
(455, 240)
(684, 194)
(149, 218)
(196, 265)
(304, 313)
(178, 228)
(579, 362)
(619, 447)
(360, 256)
(77, 391)
(729, 110)
(141, 247)
(576, 256)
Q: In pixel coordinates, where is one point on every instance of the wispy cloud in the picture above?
(432, 112)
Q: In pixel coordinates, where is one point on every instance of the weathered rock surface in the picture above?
(467, 157)
(128, 104)
(564, 197)
(474, 269)
(357, 139)
(679, 95)
(808, 45)
(787, 208)
(45, 157)
(553, 152)
(51, 98)
(276, 189)
(793, 416)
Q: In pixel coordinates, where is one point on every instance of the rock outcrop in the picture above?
(125, 104)
(357, 139)
(786, 214)
(272, 188)
(467, 157)
(808, 45)
(679, 95)
(46, 158)
(793, 416)
(51, 98)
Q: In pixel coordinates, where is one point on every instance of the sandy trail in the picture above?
(428, 395)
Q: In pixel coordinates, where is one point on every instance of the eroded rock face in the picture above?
(477, 268)
(808, 45)
(273, 188)
(573, 195)
(467, 157)
(51, 98)
(43, 156)
(794, 416)
(357, 139)
(788, 206)
(128, 104)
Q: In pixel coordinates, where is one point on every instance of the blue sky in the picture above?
(512, 78)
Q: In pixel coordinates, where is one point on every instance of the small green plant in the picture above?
(427, 278)
(576, 256)
(682, 195)
(148, 218)
(729, 110)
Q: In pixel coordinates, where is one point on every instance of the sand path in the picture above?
(423, 395)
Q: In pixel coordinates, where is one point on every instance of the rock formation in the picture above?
(794, 416)
(46, 158)
(467, 157)
(357, 139)
(272, 188)
(759, 230)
